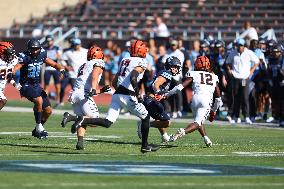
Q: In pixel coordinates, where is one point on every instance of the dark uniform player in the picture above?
(276, 76)
(159, 87)
(30, 64)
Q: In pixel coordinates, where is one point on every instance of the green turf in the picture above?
(67, 106)
(227, 139)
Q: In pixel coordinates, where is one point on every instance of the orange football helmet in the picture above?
(7, 51)
(95, 52)
(202, 63)
(138, 49)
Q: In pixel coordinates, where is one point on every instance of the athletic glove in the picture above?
(217, 104)
(105, 89)
(64, 73)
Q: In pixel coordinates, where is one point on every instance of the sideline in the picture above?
(131, 117)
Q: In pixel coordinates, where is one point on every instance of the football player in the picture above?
(85, 88)
(127, 94)
(158, 89)
(8, 60)
(204, 84)
(30, 64)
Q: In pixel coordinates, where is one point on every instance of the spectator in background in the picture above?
(87, 8)
(109, 63)
(54, 53)
(161, 30)
(276, 76)
(125, 53)
(72, 60)
(249, 33)
(204, 48)
(194, 53)
(238, 64)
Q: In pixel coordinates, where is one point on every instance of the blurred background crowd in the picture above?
(226, 31)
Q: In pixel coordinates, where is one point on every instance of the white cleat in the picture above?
(180, 133)
(248, 121)
(165, 138)
(239, 120)
(139, 133)
(207, 141)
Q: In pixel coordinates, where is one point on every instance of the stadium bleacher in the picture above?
(225, 16)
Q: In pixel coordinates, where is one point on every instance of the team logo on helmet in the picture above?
(95, 52)
(138, 49)
(7, 51)
(202, 63)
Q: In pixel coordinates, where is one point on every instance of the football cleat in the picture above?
(165, 138)
(65, 120)
(207, 141)
(212, 116)
(40, 135)
(139, 133)
(150, 148)
(80, 145)
(180, 133)
(77, 124)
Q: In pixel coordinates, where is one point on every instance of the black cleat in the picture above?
(66, 119)
(77, 124)
(150, 148)
(80, 145)
(40, 135)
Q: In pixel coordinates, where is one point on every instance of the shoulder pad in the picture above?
(143, 63)
(99, 63)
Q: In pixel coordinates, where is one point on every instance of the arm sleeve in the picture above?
(133, 81)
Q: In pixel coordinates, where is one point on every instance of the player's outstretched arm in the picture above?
(179, 87)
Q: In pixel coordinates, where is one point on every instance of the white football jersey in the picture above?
(203, 83)
(84, 79)
(125, 68)
(6, 68)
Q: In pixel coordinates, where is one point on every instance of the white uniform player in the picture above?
(127, 94)
(204, 84)
(5, 69)
(83, 106)
(130, 100)
(89, 75)
(8, 60)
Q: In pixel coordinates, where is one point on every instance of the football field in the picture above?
(241, 157)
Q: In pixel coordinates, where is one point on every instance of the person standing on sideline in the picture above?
(238, 64)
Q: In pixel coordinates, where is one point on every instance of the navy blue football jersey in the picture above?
(30, 72)
(165, 86)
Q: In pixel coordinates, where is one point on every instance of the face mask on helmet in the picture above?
(34, 47)
(173, 65)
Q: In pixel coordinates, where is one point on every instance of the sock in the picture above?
(72, 117)
(39, 127)
(97, 121)
(38, 116)
(80, 138)
(145, 130)
(165, 135)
